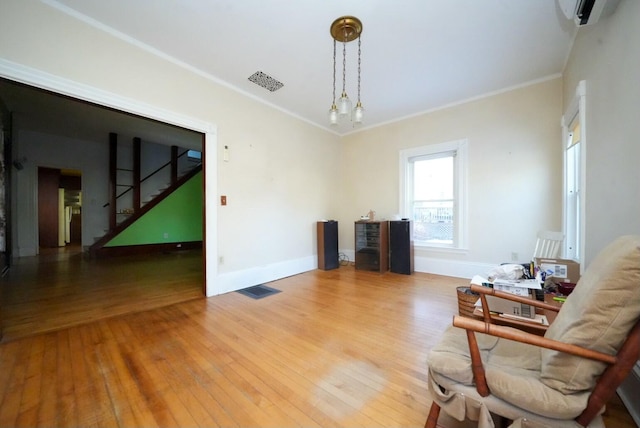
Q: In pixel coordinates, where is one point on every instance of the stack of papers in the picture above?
(519, 287)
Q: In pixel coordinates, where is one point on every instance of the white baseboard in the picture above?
(232, 281)
(455, 268)
(446, 267)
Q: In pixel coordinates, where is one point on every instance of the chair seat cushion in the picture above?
(462, 402)
(451, 358)
(512, 371)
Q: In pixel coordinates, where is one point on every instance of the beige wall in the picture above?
(515, 166)
(607, 57)
(282, 173)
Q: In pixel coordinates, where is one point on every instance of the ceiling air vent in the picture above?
(266, 81)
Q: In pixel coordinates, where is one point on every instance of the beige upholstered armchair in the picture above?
(563, 379)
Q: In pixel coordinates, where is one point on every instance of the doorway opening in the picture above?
(36, 123)
(59, 208)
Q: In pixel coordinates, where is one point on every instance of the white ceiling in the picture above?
(417, 55)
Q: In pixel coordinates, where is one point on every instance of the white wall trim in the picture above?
(461, 148)
(576, 107)
(445, 267)
(454, 268)
(238, 280)
(40, 79)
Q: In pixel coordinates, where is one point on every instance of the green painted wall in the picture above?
(179, 216)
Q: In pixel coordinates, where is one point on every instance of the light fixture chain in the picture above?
(344, 65)
(334, 72)
(359, 69)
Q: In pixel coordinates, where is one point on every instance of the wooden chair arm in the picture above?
(476, 365)
(532, 339)
(504, 295)
(613, 376)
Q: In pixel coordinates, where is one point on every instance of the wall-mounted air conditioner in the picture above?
(585, 12)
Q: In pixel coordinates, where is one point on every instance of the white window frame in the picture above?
(576, 110)
(460, 147)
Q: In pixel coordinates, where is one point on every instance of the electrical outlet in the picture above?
(165, 235)
(514, 257)
(221, 260)
(223, 200)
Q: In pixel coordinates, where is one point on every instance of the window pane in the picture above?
(433, 179)
(433, 213)
(433, 221)
(573, 122)
(572, 201)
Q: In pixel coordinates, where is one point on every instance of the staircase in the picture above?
(121, 218)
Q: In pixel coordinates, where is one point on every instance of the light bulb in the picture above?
(358, 114)
(333, 115)
(344, 105)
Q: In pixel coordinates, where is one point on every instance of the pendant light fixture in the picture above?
(345, 29)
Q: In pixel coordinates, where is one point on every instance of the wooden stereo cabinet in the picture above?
(372, 245)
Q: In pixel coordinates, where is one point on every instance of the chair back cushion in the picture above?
(598, 315)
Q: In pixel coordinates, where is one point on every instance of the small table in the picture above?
(530, 327)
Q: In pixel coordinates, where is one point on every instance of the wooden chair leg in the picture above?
(432, 419)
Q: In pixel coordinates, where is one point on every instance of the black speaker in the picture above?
(400, 247)
(328, 245)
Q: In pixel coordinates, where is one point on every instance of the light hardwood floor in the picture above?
(334, 348)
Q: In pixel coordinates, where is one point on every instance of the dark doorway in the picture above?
(48, 184)
(59, 207)
(42, 112)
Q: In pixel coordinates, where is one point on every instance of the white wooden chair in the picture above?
(548, 244)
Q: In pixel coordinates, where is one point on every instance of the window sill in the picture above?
(440, 249)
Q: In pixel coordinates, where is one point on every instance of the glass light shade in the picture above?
(333, 115)
(344, 105)
(358, 114)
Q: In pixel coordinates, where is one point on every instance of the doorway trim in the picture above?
(39, 79)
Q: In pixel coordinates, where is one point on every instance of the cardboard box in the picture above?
(562, 270)
(504, 306)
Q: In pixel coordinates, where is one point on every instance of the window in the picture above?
(572, 191)
(574, 176)
(433, 184)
